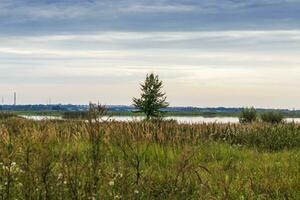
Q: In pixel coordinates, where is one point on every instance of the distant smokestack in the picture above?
(15, 98)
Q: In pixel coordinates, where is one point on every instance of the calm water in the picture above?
(187, 120)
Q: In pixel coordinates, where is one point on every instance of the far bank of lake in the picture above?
(179, 119)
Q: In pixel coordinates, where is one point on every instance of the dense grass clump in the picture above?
(248, 115)
(272, 117)
(146, 160)
(75, 115)
(6, 115)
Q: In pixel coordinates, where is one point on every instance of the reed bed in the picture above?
(145, 160)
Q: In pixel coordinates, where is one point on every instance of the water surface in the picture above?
(179, 119)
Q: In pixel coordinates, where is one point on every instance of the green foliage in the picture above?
(248, 115)
(152, 99)
(6, 115)
(144, 160)
(75, 115)
(272, 117)
(96, 109)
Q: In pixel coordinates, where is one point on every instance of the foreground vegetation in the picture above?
(147, 160)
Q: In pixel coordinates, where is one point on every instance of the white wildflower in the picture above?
(60, 176)
(111, 183)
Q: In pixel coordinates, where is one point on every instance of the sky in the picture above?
(208, 53)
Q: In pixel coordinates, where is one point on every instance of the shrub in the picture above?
(272, 117)
(6, 115)
(248, 115)
(75, 115)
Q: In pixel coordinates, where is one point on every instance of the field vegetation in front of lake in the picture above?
(148, 160)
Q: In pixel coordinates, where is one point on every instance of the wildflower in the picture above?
(136, 192)
(65, 182)
(111, 183)
(60, 176)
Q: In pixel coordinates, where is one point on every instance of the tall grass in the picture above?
(145, 160)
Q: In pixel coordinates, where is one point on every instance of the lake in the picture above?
(179, 119)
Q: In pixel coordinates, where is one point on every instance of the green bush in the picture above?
(248, 115)
(272, 117)
(75, 115)
(6, 115)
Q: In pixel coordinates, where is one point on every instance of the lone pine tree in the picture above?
(152, 98)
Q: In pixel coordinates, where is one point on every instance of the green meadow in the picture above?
(147, 160)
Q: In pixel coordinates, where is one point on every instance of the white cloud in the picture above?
(159, 8)
(266, 35)
(236, 48)
(57, 53)
(29, 10)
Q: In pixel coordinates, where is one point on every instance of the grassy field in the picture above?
(145, 160)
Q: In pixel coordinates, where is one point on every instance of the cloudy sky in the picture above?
(208, 52)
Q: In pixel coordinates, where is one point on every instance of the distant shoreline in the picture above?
(58, 113)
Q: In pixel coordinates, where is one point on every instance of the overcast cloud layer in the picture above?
(209, 53)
